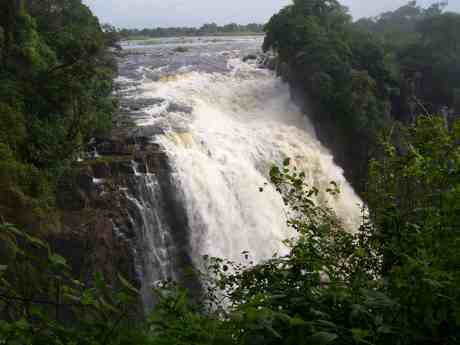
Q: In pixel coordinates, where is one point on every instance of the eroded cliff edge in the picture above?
(119, 211)
(353, 159)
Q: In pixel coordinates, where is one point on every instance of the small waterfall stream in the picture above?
(156, 249)
(223, 124)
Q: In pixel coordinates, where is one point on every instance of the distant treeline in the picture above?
(206, 29)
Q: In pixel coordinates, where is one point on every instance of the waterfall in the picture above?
(220, 124)
(222, 133)
(156, 251)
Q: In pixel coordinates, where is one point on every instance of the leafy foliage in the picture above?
(358, 77)
(41, 302)
(339, 70)
(393, 280)
(55, 94)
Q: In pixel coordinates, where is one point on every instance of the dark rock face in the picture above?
(250, 57)
(102, 170)
(136, 104)
(268, 61)
(352, 158)
(179, 108)
(104, 228)
(96, 232)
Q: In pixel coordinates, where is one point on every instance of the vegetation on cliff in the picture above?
(55, 86)
(357, 77)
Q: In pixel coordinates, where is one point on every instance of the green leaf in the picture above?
(322, 338)
(297, 321)
(287, 162)
(37, 312)
(385, 329)
(87, 298)
(107, 305)
(127, 284)
(22, 324)
(35, 241)
(100, 281)
(57, 260)
(326, 323)
(11, 229)
(359, 335)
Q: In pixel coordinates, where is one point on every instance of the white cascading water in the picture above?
(156, 247)
(240, 124)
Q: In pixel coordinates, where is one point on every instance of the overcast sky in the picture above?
(153, 13)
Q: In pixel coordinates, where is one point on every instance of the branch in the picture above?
(68, 64)
(63, 66)
(112, 329)
(37, 301)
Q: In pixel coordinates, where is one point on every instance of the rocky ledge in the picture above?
(98, 232)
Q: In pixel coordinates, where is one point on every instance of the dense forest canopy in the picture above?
(55, 87)
(387, 88)
(204, 30)
(359, 76)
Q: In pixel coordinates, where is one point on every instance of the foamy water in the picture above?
(228, 127)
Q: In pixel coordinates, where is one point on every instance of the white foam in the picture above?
(242, 123)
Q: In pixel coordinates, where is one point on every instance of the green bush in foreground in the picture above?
(394, 281)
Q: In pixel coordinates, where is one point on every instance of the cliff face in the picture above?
(352, 158)
(353, 154)
(120, 214)
(98, 230)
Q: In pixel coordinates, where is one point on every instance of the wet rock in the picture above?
(250, 57)
(102, 170)
(123, 168)
(181, 49)
(270, 62)
(85, 182)
(137, 104)
(113, 147)
(179, 108)
(90, 244)
(70, 199)
(142, 168)
(147, 132)
(284, 71)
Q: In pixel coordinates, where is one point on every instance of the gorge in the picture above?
(297, 188)
(221, 124)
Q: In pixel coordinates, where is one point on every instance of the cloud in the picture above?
(150, 13)
(369, 8)
(153, 13)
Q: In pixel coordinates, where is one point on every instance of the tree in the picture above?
(55, 94)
